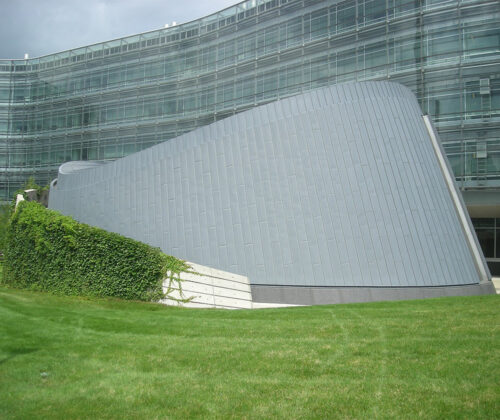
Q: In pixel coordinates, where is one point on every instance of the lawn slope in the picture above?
(64, 357)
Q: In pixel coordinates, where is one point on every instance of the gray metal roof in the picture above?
(336, 187)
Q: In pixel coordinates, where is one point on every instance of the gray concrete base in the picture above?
(305, 295)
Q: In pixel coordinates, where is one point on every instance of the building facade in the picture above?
(111, 99)
(339, 194)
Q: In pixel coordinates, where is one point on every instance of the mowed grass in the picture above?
(66, 358)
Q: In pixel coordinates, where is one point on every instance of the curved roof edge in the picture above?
(76, 166)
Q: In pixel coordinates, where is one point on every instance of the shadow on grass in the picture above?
(16, 352)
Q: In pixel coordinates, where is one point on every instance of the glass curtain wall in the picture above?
(488, 234)
(111, 99)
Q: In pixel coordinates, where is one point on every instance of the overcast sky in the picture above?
(40, 27)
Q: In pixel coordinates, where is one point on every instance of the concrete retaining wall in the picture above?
(205, 287)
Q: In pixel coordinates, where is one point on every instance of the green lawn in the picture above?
(66, 358)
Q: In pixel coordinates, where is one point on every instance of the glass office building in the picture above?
(111, 99)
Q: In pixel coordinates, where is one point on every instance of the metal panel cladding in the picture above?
(339, 186)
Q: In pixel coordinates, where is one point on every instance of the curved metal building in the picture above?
(339, 194)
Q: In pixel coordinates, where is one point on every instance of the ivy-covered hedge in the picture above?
(51, 252)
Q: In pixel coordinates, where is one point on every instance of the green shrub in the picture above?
(51, 252)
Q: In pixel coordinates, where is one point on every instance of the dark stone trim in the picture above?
(306, 295)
